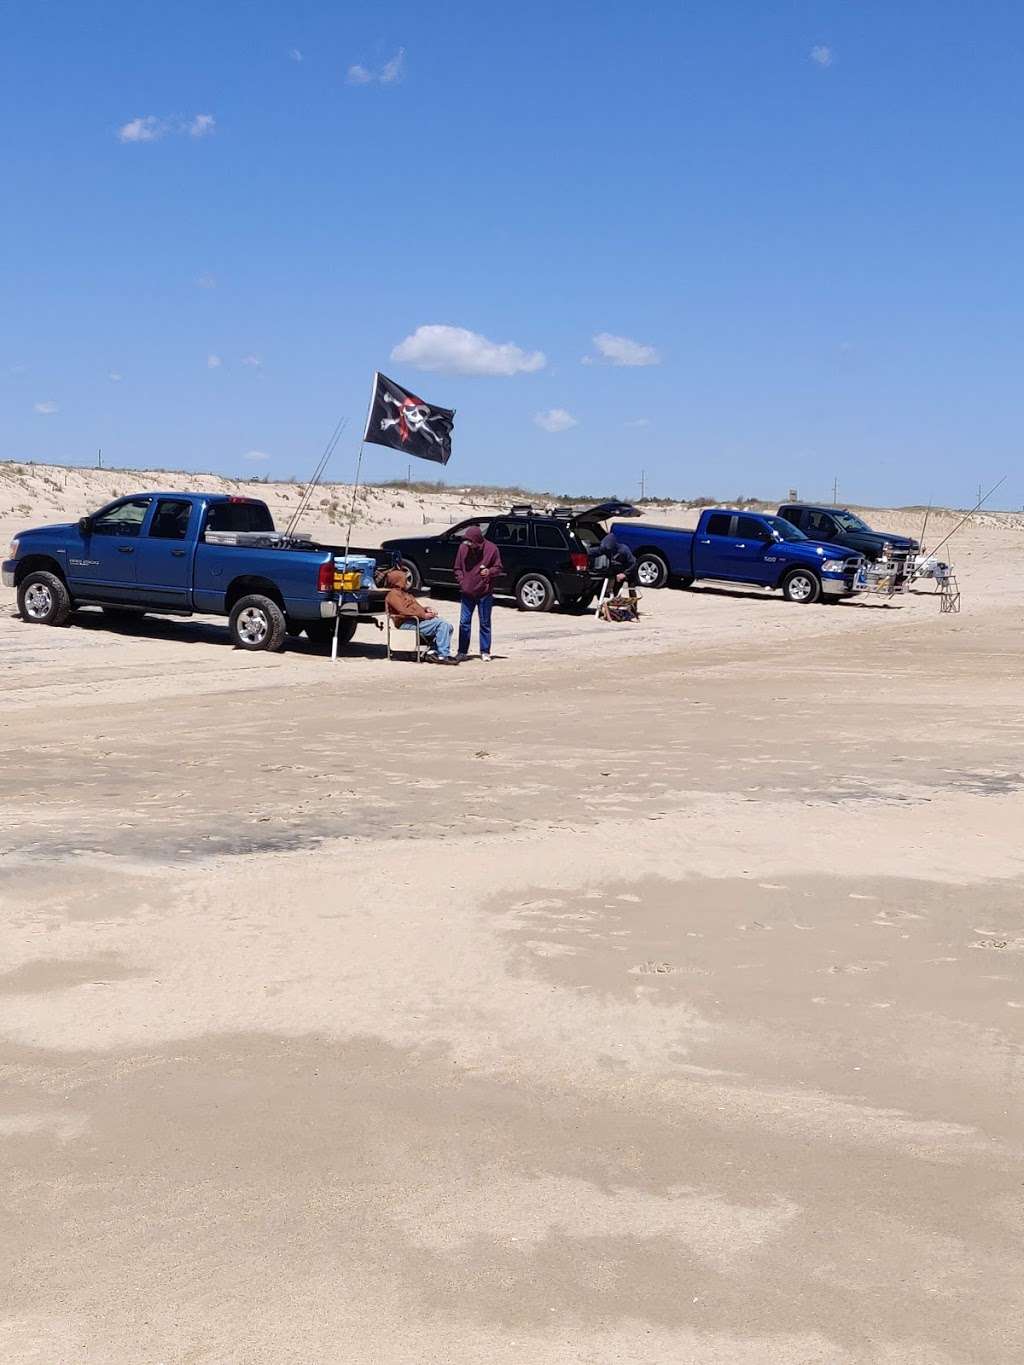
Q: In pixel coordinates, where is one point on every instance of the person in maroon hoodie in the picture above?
(477, 564)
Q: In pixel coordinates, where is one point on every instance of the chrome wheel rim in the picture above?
(532, 594)
(253, 626)
(800, 588)
(38, 601)
(648, 572)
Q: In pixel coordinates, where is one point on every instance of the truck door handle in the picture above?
(178, 554)
(741, 545)
(705, 542)
(125, 549)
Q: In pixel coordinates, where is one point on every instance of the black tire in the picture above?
(578, 603)
(802, 586)
(257, 623)
(412, 573)
(322, 632)
(651, 570)
(685, 582)
(43, 599)
(535, 592)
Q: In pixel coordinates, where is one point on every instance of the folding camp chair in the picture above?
(402, 633)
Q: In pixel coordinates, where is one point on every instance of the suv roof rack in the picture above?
(521, 509)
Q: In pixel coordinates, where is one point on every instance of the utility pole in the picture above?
(99, 459)
(643, 476)
(835, 491)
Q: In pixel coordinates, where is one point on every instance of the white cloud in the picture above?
(253, 362)
(146, 129)
(213, 362)
(206, 281)
(150, 128)
(638, 422)
(555, 419)
(389, 74)
(114, 377)
(256, 456)
(622, 351)
(295, 55)
(47, 408)
(821, 55)
(456, 350)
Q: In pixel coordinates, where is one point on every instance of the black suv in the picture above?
(546, 556)
(837, 526)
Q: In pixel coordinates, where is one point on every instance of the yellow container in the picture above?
(349, 580)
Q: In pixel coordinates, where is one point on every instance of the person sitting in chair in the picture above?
(406, 612)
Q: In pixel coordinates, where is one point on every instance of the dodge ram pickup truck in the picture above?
(174, 554)
(741, 547)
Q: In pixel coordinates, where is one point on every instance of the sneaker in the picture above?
(448, 659)
(431, 656)
(485, 658)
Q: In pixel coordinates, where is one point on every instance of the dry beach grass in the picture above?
(653, 996)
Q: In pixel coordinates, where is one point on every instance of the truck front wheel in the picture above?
(651, 570)
(257, 622)
(535, 592)
(43, 599)
(801, 585)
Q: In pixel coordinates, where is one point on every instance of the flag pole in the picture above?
(352, 509)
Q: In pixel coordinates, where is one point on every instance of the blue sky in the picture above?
(784, 237)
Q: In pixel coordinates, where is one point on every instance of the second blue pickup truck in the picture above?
(179, 553)
(733, 546)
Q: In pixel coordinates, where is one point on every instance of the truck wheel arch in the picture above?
(38, 564)
(247, 584)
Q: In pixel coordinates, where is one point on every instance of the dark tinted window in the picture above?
(588, 536)
(239, 516)
(719, 524)
(460, 531)
(123, 520)
(549, 537)
(170, 520)
(819, 524)
(511, 532)
(750, 528)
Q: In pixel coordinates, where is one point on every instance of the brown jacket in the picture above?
(400, 603)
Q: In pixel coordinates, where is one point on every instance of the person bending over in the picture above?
(477, 564)
(621, 562)
(405, 611)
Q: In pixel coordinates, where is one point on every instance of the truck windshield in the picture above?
(851, 523)
(785, 530)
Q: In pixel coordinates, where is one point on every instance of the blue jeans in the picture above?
(483, 605)
(436, 631)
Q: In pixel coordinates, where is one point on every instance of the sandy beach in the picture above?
(652, 995)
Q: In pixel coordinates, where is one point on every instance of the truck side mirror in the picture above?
(84, 525)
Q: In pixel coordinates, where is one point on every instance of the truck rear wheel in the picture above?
(43, 599)
(801, 585)
(651, 570)
(413, 576)
(322, 632)
(257, 622)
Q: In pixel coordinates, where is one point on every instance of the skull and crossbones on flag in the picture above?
(399, 419)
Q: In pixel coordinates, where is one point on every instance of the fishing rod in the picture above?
(971, 513)
(309, 490)
(924, 527)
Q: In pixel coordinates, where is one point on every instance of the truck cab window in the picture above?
(239, 516)
(124, 520)
(170, 520)
(719, 524)
(751, 528)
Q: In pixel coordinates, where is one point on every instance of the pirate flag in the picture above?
(401, 420)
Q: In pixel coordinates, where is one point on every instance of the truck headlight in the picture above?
(834, 565)
(12, 553)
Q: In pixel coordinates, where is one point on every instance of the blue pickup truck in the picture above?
(742, 547)
(175, 554)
